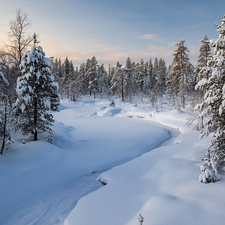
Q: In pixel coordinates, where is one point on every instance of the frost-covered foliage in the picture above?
(3, 80)
(179, 76)
(204, 54)
(141, 219)
(111, 103)
(208, 170)
(92, 75)
(212, 109)
(5, 109)
(118, 82)
(37, 94)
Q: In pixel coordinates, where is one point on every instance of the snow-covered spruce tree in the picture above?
(37, 94)
(5, 109)
(153, 92)
(147, 81)
(200, 72)
(160, 85)
(208, 170)
(75, 86)
(93, 76)
(204, 54)
(141, 77)
(128, 80)
(104, 88)
(83, 79)
(177, 79)
(213, 106)
(118, 81)
(66, 79)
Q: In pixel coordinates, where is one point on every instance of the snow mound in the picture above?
(110, 111)
(102, 108)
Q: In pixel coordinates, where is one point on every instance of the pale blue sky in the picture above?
(114, 30)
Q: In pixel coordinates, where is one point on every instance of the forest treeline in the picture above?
(135, 80)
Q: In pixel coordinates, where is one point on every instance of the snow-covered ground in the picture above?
(41, 183)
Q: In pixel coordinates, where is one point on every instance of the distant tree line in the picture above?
(142, 80)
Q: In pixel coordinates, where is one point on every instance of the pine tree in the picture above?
(93, 76)
(204, 53)
(128, 80)
(83, 79)
(119, 81)
(153, 92)
(66, 78)
(76, 85)
(213, 106)
(37, 94)
(177, 79)
(141, 76)
(104, 87)
(161, 81)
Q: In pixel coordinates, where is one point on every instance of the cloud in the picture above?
(110, 55)
(98, 46)
(81, 43)
(115, 57)
(172, 44)
(152, 37)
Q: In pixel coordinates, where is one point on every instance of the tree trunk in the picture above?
(35, 119)
(122, 90)
(4, 129)
(35, 136)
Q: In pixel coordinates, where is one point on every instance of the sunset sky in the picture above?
(114, 30)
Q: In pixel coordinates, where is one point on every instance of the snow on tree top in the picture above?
(123, 68)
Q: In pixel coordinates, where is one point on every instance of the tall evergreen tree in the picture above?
(202, 74)
(141, 76)
(179, 75)
(66, 79)
(213, 106)
(119, 81)
(37, 94)
(160, 81)
(93, 76)
(128, 79)
(204, 53)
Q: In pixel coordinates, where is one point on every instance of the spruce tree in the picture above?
(118, 81)
(37, 94)
(213, 106)
(93, 76)
(161, 81)
(177, 79)
(204, 53)
(128, 80)
(66, 79)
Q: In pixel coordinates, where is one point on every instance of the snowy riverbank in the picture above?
(42, 183)
(162, 185)
(35, 176)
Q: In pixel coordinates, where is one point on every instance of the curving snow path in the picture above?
(41, 183)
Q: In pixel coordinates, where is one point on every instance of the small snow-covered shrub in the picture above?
(208, 170)
(141, 219)
(111, 103)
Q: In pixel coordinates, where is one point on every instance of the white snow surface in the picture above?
(42, 183)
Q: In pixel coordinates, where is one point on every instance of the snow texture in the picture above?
(41, 183)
